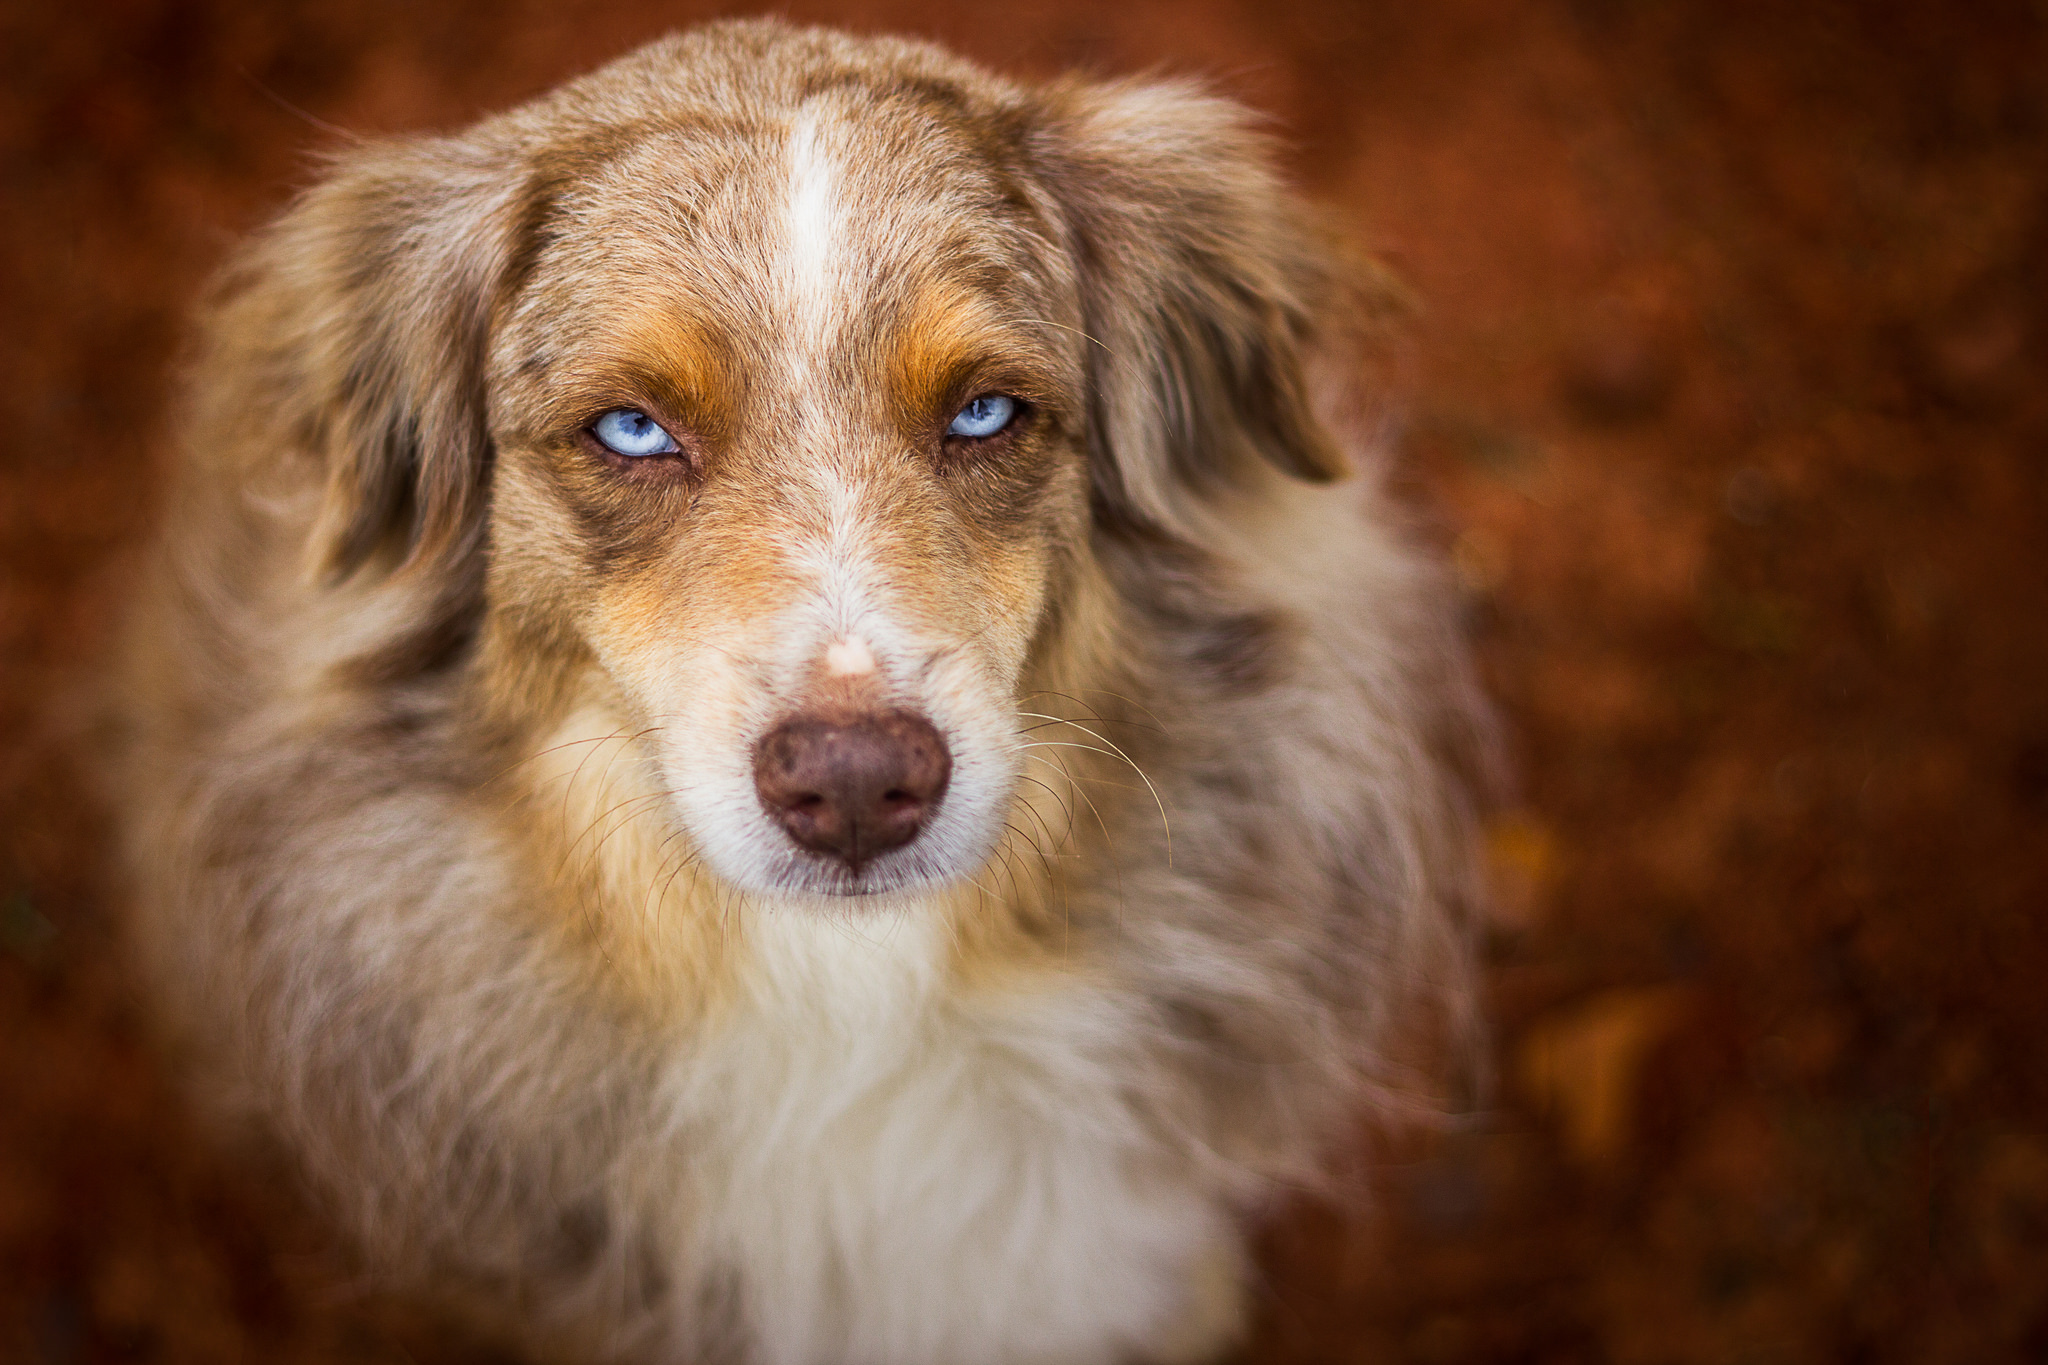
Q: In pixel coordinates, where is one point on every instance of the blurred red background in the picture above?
(1730, 405)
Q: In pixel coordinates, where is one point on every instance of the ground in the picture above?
(1729, 402)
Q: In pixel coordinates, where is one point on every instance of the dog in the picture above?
(780, 716)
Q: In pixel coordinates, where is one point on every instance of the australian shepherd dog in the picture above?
(781, 719)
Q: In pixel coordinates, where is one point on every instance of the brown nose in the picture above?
(852, 789)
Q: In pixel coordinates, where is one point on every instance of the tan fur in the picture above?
(449, 871)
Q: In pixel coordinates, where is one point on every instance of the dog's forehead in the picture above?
(841, 202)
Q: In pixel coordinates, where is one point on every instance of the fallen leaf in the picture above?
(1582, 1064)
(1521, 862)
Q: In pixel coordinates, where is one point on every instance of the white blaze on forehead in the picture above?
(838, 553)
(849, 657)
(811, 221)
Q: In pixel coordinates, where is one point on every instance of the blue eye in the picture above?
(985, 416)
(629, 431)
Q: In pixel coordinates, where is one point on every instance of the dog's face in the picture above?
(786, 414)
(804, 377)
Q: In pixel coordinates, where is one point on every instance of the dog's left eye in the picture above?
(629, 431)
(984, 416)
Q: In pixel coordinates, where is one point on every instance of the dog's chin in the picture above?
(794, 876)
(839, 884)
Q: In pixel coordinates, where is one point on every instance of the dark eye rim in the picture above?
(685, 457)
(1021, 413)
(648, 416)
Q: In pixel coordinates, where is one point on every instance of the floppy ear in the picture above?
(354, 330)
(1203, 288)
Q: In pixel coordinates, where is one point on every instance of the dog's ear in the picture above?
(355, 329)
(1205, 293)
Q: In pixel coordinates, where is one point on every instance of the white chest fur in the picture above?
(900, 1176)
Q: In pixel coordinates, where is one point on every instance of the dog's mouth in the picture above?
(803, 874)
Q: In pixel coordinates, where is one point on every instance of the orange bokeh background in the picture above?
(1729, 404)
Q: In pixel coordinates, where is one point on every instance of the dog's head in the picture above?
(791, 384)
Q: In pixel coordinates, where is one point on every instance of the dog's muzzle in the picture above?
(853, 788)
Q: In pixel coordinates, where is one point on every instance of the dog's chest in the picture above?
(897, 1176)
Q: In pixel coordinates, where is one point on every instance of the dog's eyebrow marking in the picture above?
(811, 217)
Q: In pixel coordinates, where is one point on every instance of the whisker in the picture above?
(689, 860)
(606, 815)
(1066, 811)
(688, 855)
(1058, 841)
(569, 788)
(543, 753)
(1116, 865)
(1054, 883)
(1092, 734)
(1064, 327)
(1053, 888)
(1157, 724)
(1010, 869)
(1114, 752)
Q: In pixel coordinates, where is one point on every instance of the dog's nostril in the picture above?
(852, 789)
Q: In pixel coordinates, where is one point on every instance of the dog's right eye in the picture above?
(984, 417)
(629, 431)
